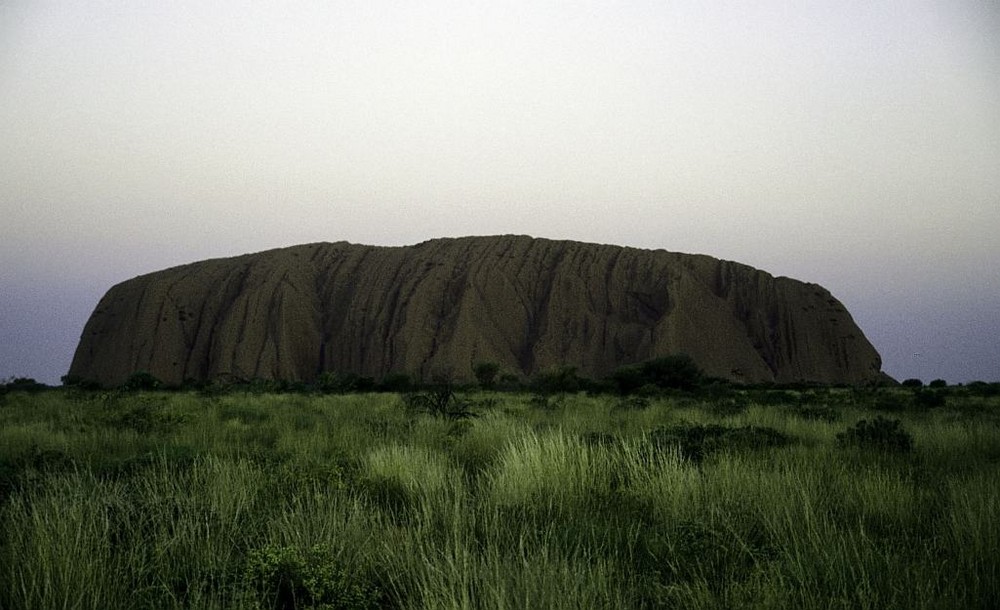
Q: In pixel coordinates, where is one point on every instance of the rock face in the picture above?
(530, 305)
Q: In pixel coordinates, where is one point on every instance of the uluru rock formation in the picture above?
(528, 304)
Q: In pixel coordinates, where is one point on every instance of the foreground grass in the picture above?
(242, 501)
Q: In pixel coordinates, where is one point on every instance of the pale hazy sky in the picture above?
(851, 144)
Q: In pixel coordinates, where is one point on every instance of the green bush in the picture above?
(929, 399)
(486, 373)
(141, 380)
(21, 384)
(727, 407)
(696, 442)
(259, 385)
(892, 401)
(675, 372)
(563, 379)
(75, 381)
(546, 402)
(628, 379)
(32, 466)
(329, 382)
(880, 434)
(395, 382)
(510, 382)
(678, 371)
(981, 388)
(815, 413)
(440, 401)
(143, 417)
(775, 397)
(290, 578)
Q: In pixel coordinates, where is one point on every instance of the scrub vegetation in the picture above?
(459, 498)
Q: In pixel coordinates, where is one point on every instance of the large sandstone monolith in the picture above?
(527, 304)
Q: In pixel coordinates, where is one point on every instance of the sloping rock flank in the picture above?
(527, 304)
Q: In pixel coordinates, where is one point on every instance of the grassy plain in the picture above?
(178, 500)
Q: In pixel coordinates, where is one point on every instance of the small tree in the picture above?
(440, 400)
(486, 373)
(677, 371)
(396, 382)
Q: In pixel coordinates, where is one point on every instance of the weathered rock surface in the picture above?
(528, 304)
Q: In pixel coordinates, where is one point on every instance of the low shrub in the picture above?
(892, 401)
(144, 418)
(929, 399)
(880, 434)
(823, 413)
(696, 442)
(329, 382)
(775, 397)
(32, 466)
(632, 403)
(75, 381)
(753, 438)
(981, 388)
(509, 382)
(675, 372)
(559, 380)
(291, 578)
(395, 382)
(140, 381)
(259, 386)
(440, 401)
(546, 402)
(727, 407)
(486, 373)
